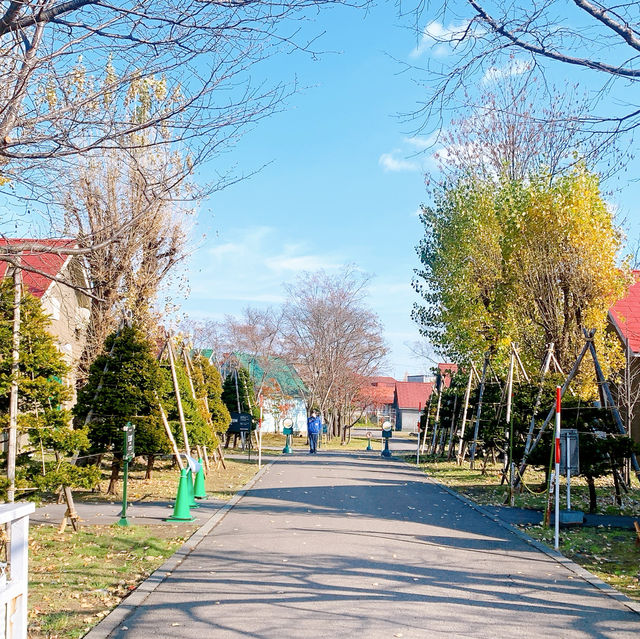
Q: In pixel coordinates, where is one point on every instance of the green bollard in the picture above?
(192, 499)
(181, 510)
(199, 491)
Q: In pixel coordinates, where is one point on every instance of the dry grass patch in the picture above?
(609, 553)
(77, 578)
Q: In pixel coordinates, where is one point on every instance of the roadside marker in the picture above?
(556, 543)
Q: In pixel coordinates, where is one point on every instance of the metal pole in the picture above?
(15, 372)
(556, 541)
(568, 456)
(418, 444)
(123, 514)
(260, 436)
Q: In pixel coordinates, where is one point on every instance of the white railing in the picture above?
(14, 577)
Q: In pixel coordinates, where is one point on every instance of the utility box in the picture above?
(569, 438)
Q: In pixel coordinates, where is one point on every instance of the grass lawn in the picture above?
(77, 578)
(485, 488)
(609, 553)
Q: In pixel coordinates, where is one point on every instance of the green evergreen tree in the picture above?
(122, 387)
(208, 382)
(243, 391)
(42, 394)
(198, 429)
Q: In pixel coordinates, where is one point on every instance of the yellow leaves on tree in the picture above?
(528, 261)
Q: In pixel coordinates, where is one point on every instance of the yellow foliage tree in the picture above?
(530, 261)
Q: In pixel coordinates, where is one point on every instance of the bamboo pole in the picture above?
(167, 428)
(572, 373)
(476, 428)
(536, 406)
(465, 408)
(187, 367)
(176, 389)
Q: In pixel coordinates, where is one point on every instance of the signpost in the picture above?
(368, 441)
(569, 458)
(128, 453)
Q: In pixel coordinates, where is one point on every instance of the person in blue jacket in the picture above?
(313, 430)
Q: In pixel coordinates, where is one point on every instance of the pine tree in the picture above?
(208, 383)
(42, 395)
(198, 429)
(122, 387)
(240, 391)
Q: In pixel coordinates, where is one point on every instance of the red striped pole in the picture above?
(418, 449)
(557, 468)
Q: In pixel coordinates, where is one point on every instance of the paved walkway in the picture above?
(337, 544)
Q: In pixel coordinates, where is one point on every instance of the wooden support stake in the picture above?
(174, 377)
(221, 457)
(436, 422)
(452, 427)
(206, 459)
(167, 428)
(70, 514)
(474, 443)
(465, 408)
(187, 367)
(609, 397)
(572, 373)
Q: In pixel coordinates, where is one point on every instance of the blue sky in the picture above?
(340, 186)
(342, 183)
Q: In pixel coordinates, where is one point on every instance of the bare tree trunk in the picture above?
(150, 460)
(115, 472)
(593, 498)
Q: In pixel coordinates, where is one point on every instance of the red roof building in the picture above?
(57, 281)
(447, 371)
(625, 315)
(410, 399)
(382, 391)
(37, 265)
(413, 394)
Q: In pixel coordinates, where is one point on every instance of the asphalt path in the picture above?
(353, 544)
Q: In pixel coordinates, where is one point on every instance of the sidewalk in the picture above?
(353, 544)
(139, 512)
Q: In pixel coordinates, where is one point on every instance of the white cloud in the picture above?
(251, 268)
(422, 143)
(393, 163)
(435, 37)
(514, 67)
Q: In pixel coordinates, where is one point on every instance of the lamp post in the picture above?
(386, 435)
